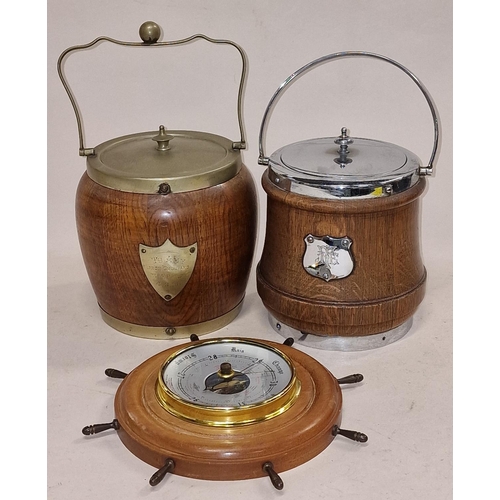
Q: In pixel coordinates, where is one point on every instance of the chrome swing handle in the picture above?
(150, 33)
(423, 170)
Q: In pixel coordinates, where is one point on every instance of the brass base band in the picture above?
(171, 332)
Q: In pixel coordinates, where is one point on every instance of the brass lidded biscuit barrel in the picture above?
(341, 266)
(166, 221)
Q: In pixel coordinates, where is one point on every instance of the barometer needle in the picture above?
(250, 366)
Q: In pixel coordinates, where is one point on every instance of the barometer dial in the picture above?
(227, 382)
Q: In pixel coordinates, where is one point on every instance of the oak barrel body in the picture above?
(218, 222)
(387, 281)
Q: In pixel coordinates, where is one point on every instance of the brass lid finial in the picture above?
(162, 139)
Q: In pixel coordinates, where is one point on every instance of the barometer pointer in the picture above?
(250, 366)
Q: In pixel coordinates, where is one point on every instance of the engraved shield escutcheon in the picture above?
(168, 267)
(327, 257)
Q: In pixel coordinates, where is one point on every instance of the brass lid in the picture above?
(164, 162)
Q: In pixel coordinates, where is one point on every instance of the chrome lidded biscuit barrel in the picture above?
(341, 266)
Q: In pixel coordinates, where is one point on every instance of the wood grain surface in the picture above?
(221, 219)
(220, 453)
(388, 279)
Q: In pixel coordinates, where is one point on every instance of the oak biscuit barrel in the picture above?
(341, 266)
(166, 265)
(166, 222)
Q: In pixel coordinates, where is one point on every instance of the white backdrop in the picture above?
(123, 90)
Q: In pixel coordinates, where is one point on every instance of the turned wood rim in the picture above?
(221, 453)
(307, 301)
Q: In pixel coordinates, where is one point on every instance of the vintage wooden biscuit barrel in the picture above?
(166, 221)
(341, 266)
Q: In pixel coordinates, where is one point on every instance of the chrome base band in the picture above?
(171, 332)
(338, 343)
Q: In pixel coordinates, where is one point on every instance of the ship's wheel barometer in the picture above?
(197, 409)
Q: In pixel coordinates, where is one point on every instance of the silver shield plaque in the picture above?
(327, 257)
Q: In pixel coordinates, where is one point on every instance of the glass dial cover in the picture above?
(256, 374)
(228, 381)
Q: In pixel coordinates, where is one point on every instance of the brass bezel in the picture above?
(227, 416)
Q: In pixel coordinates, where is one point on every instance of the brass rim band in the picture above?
(225, 417)
(171, 332)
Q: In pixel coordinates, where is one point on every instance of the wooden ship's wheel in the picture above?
(228, 408)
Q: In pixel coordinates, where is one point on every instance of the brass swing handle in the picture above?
(150, 33)
(423, 170)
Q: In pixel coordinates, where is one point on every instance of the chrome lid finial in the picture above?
(343, 140)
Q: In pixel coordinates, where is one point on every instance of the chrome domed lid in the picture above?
(343, 167)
